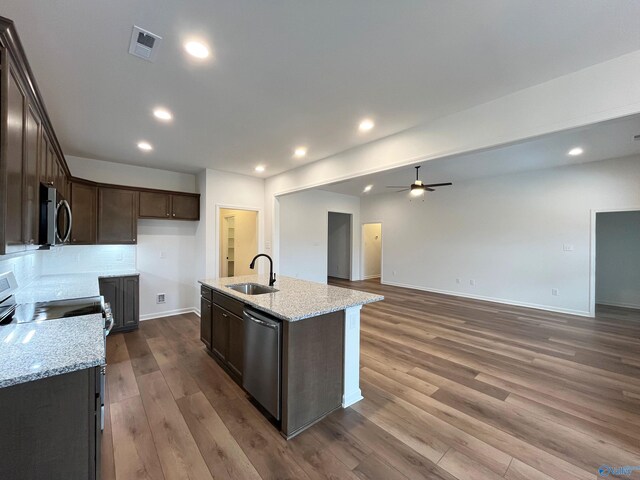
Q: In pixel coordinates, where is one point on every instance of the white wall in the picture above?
(25, 266)
(505, 233)
(372, 254)
(88, 258)
(165, 255)
(130, 175)
(339, 245)
(304, 233)
(618, 259)
(600, 92)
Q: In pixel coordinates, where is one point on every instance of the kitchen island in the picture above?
(319, 344)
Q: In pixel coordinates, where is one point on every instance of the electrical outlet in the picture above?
(555, 292)
(160, 298)
(163, 254)
(567, 247)
(393, 273)
(472, 283)
(458, 281)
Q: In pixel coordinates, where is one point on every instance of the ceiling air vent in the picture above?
(144, 44)
(636, 137)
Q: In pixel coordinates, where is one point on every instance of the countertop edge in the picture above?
(230, 293)
(10, 382)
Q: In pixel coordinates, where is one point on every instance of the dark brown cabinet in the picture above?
(166, 205)
(185, 207)
(123, 295)
(31, 179)
(117, 215)
(206, 320)
(51, 427)
(222, 330)
(84, 205)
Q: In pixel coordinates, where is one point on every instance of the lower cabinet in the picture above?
(222, 330)
(51, 427)
(122, 293)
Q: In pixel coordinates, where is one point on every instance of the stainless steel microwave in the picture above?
(55, 217)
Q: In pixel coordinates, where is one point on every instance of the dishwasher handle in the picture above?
(272, 325)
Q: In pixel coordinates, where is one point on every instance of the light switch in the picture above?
(567, 247)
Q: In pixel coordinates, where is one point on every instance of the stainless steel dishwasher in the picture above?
(261, 376)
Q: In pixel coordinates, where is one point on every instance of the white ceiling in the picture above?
(290, 72)
(602, 141)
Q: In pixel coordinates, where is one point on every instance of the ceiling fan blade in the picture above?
(439, 184)
(429, 189)
(396, 186)
(405, 190)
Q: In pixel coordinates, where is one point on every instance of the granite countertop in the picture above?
(30, 351)
(295, 299)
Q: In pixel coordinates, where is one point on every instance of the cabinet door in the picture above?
(43, 156)
(117, 215)
(154, 205)
(32, 182)
(51, 164)
(220, 332)
(111, 290)
(14, 155)
(84, 199)
(130, 302)
(185, 207)
(205, 322)
(236, 344)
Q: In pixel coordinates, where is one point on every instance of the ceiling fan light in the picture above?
(417, 192)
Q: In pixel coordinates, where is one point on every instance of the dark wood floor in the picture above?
(454, 389)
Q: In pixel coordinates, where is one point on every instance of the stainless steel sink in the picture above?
(252, 288)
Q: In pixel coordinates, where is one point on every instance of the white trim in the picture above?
(618, 304)
(168, 313)
(369, 277)
(216, 231)
(536, 306)
(351, 392)
(592, 253)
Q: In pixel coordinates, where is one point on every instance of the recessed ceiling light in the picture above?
(575, 151)
(366, 125)
(146, 146)
(367, 188)
(197, 49)
(162, 114)
(260, 168)
(300, 152)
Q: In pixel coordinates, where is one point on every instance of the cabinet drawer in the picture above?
(205, 292)
(234, 306)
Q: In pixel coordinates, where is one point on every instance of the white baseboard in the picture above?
(168, 313)
(515, 303)
(618, 304)
(368, 277)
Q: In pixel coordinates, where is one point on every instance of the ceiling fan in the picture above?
(418, 188)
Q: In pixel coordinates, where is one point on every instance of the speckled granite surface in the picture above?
(295, 299)
(30, 351)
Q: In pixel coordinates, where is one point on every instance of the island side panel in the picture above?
(351, 391)
(312, 369)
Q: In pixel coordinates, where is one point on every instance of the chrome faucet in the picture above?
(272, 276)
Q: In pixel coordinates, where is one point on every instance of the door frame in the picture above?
(362, 250)
(351, 253)
(225, 244)
(217, 232)
(592, 252)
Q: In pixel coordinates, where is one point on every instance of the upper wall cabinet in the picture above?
(117, 215)
(173, 206)
(84, 206)
(29, 150)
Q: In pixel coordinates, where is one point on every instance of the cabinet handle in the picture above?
(225, 315)
(174, 214)
(167, 214)
(133, 239)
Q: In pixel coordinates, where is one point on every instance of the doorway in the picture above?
(238, 241)
(617, 288)
(339, 245)
(371, 251)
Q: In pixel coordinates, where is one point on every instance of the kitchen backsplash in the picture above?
(88, 258)
(26, 267)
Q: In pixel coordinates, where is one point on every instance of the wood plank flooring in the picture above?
(454, 389)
